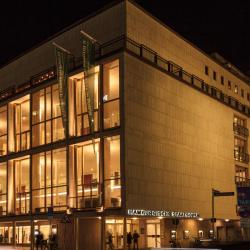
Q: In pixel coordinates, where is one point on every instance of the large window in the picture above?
(241, 174)
(6, 230)
(240, 150)
(3, 188)
(22, 185)
(111, 89)
(112, 172)
(23, 233)
(88, 183)
(79, 86)
(240, 126)
(19, 120)
(3, 130)
(49, 180)
(47, 124)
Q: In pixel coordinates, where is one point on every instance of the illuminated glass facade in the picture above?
(157, 143)
(36, 183)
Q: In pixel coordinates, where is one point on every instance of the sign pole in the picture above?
(216, 193)
(213, 213)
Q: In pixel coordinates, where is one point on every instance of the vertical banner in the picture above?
(62, 73)
(88, 54)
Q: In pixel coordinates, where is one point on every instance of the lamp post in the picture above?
(217, 193)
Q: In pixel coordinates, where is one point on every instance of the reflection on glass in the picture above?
(111, 95)
(111, 81)
(88, 188)
(19, 129)
(49, 180)
(3, 130)
(22, 185)
(3, 188)
(57, 129)
(56, 101)
(46, 116)
(112, 173)
(6, 230)
(111, 114)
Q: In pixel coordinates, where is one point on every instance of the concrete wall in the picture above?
(179, 144)
(104, 27)
(89, 237)
(144, 29)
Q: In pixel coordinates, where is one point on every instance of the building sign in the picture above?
(243, 196)
(161, 213)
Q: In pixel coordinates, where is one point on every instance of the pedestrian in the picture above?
(39, 240)
(53, 242)
(110, 240)
(135, 239)
(1, 238)
(129, 239)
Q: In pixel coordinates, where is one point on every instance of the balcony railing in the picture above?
(242, 181)
(240, 130)
(148, 55)
(22, 202)
(241, 156)
(88, 196)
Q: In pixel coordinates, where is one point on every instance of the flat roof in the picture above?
(238, 73)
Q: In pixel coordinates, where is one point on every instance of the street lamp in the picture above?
(217, 193)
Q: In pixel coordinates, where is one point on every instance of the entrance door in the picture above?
(153, 234)
(115, 227)
(23, 235)
(221, 233)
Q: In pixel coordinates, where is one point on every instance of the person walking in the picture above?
(135, 239)
(39, 240)
(110, 240)
(129, 240)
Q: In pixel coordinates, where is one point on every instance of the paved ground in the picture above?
(13, 248)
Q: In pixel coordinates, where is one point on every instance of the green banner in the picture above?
(88, 54)
(88, 51)
(62, 73)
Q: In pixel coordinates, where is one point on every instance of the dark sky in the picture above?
(222, 26)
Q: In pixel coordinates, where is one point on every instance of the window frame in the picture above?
(46, 119)
(113, 100)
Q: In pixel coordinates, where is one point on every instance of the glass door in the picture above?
(114, 229)
(6, 234)
(23, 235)
(153, 234)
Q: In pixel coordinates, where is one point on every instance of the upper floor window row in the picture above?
(240, 126)
(229, 84)
(36, 119)
(42, 178)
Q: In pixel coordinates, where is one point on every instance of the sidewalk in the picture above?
(13, 248)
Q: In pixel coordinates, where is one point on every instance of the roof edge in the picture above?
(244, 79)
(93, 14)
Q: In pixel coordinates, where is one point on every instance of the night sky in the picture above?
(222, 26)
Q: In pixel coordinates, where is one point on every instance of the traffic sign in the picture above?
(213, 220)
(218, 193)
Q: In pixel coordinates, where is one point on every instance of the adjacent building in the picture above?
(171, 124)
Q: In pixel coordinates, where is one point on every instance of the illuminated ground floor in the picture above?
(96, 233)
